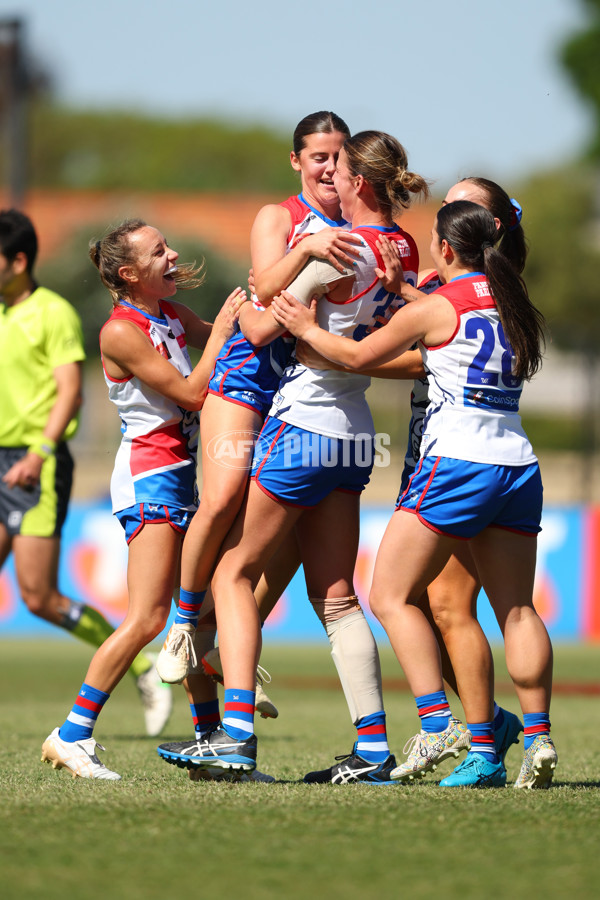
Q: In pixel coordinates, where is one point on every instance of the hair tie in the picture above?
(516, 214)
(487, 245)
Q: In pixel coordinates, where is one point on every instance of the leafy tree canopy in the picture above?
(564, 256)
(581, 58)
(127, 151)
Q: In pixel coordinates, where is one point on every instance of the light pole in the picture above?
(14, 89)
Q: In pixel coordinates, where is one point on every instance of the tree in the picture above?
(127, 151)
(563, 260)
(581, 58)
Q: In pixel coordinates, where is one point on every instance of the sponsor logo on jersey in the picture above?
(163, 349)
(486, 398)
(481, 288)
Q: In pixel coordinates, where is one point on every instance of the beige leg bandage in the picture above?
(354, 652)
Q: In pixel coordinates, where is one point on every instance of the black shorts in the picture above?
(40, 511)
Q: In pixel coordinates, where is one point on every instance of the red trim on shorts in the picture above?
(240, 365)
(512, 530)
(264, 489)
(278, 499)
(166, 521)
(283, 502)
(426, 488)
(271, 445)
(140, 526)
(455, 537)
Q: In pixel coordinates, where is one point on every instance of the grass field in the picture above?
(157, 835)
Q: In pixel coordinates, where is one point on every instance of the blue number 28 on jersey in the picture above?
(490, 382)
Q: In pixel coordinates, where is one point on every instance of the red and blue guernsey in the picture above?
(250, 375)
(473, 411)
(156, 461)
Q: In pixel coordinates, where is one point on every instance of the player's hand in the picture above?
(25, 473)
(251, 284)
(392, 276)
(336, 246)
(293, 315)
(229, 313)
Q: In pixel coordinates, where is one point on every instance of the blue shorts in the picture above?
(250, 375)
(301, 468)
(460, 499)
(135, 517)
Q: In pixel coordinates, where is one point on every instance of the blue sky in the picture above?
(468, 87)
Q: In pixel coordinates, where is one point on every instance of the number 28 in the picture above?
(489, 333)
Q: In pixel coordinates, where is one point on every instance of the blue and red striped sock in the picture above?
(188, 610)
(371, 743)
(238, 713)
(80, 722)
(205, 715)
(434, 711)
(482, 740)
(534, 725)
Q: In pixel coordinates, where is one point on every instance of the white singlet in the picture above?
(327, 401)
(473, 412)
(156, 461)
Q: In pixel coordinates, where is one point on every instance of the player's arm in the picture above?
(258, 326)
(26, 472)
(221, 330)
(432, 319)
(274, 268)
(127, 351)
(315, 279)
(408, 366)
(197, 330)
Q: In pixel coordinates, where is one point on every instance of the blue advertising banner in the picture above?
(94, 561)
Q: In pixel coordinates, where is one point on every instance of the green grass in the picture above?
(158, 835)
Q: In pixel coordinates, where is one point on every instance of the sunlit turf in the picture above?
(158, 835)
